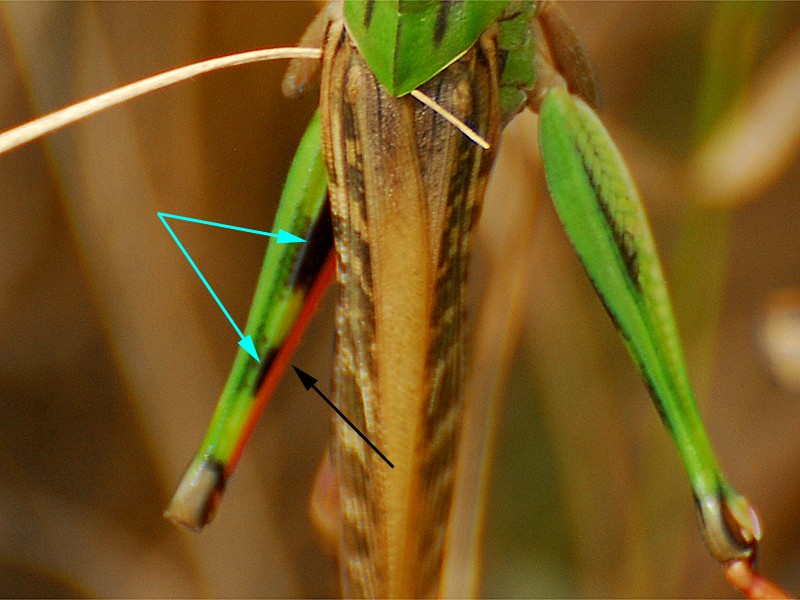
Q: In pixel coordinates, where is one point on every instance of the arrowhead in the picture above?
(284, 237)
(250, 348)
(307, 380)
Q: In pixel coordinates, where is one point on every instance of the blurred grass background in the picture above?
(113, 354)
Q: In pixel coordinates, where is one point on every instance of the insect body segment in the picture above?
(406, 42)
(516, 50)
(600, 209)
(402, 239)
(288, 289)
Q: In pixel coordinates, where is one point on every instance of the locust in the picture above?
(405, 191)
(387, 192)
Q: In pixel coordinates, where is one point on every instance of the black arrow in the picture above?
(311, 384)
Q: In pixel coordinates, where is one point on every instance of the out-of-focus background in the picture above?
(112, 354)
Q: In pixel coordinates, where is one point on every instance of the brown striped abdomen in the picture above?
(406, 189)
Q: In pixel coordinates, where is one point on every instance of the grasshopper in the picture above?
(387, 545)
(405, 191)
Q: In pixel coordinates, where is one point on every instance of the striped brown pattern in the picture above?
(406, 190)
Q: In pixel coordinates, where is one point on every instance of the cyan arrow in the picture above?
(284, 237)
